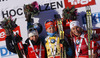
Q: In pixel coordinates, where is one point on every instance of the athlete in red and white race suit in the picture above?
(33, 47)
(80, 41)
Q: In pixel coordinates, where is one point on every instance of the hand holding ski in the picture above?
(61, 35)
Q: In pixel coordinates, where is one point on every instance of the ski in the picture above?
(61, 35)
(89, 28)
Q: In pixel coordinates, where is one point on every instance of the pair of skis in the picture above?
(89, 28)
(61, 35)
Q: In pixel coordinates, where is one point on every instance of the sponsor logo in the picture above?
(51, 6)
(4, 52)
(44, 7)
(95, 18)
(78, 3)
(3, 35)
(12, 12)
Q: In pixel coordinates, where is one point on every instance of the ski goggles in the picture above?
(49, 20)
(31, 29)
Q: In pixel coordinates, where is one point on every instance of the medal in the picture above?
(53, 40)
(53, 50)
(77, 41)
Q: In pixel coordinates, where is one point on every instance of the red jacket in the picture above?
(84, 46)
(32, 54)
(27, 48)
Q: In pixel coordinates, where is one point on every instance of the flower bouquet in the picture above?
(70, 13)
(8, 24)
(31, 10)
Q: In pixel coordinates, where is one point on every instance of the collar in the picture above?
(33, 42)
(51, 34)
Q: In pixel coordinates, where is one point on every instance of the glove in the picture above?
(8, 32)
(94, 37)
(28, 17)
(64, 42)
(17, 38)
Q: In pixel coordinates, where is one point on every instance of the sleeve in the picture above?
(69, 50)
(26, 46)
(45, 49)
(25, 49)
(94, 45)
(9, 44)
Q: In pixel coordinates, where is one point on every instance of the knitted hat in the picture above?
(32, 32)
(74, 23)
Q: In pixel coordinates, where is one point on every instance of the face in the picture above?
(34, 38)
(51, 29)
(76, 30)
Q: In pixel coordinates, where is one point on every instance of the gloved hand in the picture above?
(17, 38)
(28, 17)
(8, 32)
(94, 37)
(64, 42)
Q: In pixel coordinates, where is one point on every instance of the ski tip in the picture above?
(88, 7)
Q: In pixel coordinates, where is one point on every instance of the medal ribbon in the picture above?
(55, 46)
(34, 50)
(79, 48)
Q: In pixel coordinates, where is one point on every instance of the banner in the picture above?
(78, 3)
(3, 34)
(5, 53)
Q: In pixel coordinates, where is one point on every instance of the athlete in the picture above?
(52, 41)
(80, 41)
(33, 47)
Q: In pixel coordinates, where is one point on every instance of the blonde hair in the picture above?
(71, 33)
